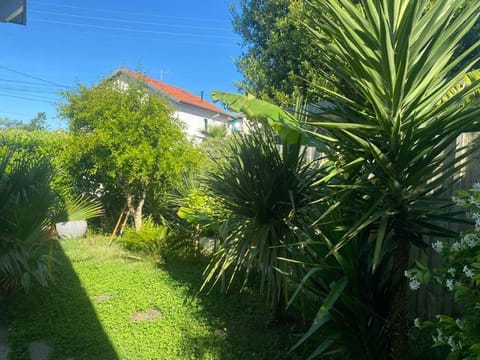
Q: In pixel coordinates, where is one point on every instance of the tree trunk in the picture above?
(136, 210)
(396, 322)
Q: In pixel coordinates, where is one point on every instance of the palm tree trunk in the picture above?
(396, 322)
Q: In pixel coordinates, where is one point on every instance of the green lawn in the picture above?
(89, 312)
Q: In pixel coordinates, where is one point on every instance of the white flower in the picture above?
(458, 201)
(414, 284)
(476, 187)
(468, 273)
(440, 335)
(437, 246)
(476, 217)
(451, 271)
(451, 342)
(406, 274)
(459, 323)
(470, 240)
(417, 323)
(456, 246)
(449, 284)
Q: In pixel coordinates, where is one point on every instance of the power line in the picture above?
(129, 21)
(29, 91)
(28, 83)
(31, 76)
(27, 98)
(134, 30)
(17, 113)
(129, 13)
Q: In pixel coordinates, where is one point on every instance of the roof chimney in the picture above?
(201, 95)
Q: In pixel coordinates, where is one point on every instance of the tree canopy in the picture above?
(279, 62)
(124, 141)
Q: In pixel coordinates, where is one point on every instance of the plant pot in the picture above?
(71, 229)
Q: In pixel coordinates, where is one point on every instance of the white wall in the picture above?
(194, 119)
(192, 116)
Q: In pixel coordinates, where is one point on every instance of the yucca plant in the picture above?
(26, 199)
(396, 117)
(399, 105)
(263, 189)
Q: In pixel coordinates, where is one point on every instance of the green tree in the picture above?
(278, 63)
(39, 122)
(125, 141)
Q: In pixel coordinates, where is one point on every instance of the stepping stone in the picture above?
(147, 315)
(39, 350)
(102, 298)
(4, 348)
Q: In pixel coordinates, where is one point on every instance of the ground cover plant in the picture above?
(106, 304)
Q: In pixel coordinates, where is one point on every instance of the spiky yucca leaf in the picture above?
(263, 189)
(396, 117)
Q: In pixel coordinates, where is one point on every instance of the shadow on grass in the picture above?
(62, 315)
(239, 320)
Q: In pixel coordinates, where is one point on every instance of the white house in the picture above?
(195, 112)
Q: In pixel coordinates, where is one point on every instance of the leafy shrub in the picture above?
(150, 240)
(26, 199)
(459, 276)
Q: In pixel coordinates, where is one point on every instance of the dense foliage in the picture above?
(278, 62)
(264, 190)
(26, 200)
(125, 143)
(390, 145)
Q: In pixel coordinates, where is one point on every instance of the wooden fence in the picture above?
(430, 301)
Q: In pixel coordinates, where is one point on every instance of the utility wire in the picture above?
(135, 30)
(28, 83)
(16, 113)
(124, 36)
(39, 94)
(129, 21)
(129, 13)
(31, 76)
(26, 98)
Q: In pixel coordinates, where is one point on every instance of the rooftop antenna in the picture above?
(163, 72)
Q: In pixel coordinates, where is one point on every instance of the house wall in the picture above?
(192, 116)
(194, 119)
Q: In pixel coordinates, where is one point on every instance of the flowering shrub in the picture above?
(461, 277)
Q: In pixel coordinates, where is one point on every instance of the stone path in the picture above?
(37, 350)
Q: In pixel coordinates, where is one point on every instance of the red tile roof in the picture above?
(176, 93)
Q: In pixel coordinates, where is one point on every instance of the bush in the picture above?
(150, 240)
(26, 200)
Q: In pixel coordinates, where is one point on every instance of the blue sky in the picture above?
(188, 43)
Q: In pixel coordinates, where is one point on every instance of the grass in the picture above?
(87, 313)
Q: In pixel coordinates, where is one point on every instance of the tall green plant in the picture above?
(263, 189)
(25, 204)
(397, 56)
